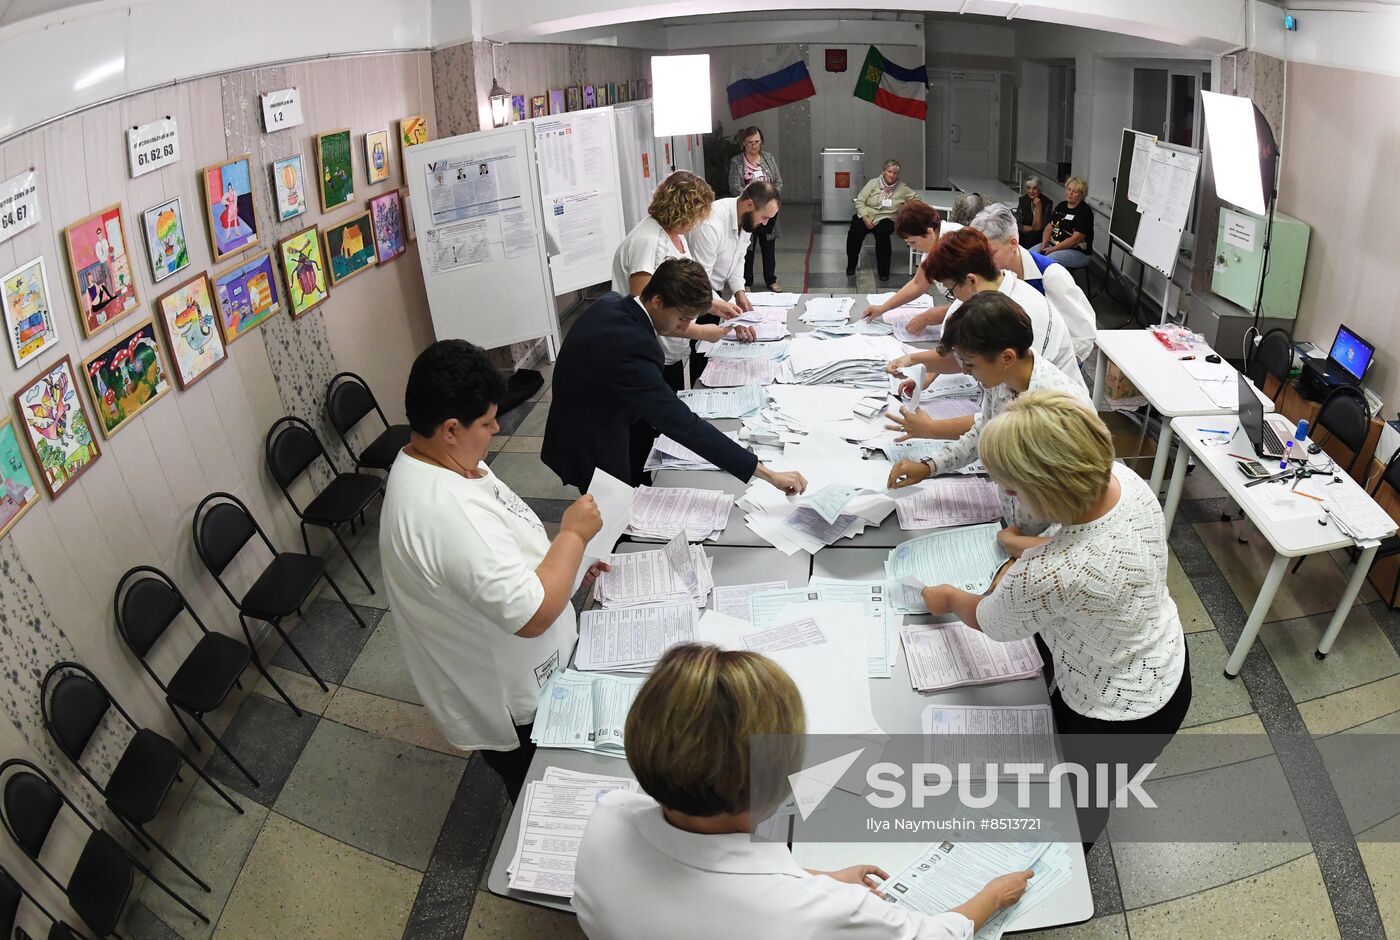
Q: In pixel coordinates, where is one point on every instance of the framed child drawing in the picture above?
(29, 319)
(246, 295)
(56, 427)
(334, 169)
(18, 490)
(304, 270)
(350, 247)
(386, 212)
(164, 226)
(228, 206)
(191, 330)
(377, 155)
(539, 106)
(289, 187)
(103, 281)
(125, 377)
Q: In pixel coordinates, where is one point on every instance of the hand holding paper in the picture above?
(613, 502)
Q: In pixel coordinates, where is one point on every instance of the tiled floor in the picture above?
(367, 824)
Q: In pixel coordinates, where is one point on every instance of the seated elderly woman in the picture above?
(966, 207)
(1032, 213)
(1069, 236)
(1094, 588)
(681, 863)
(878, 202)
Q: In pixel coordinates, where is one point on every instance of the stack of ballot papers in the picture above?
(585, 711)
(939, 504)
(733, 600)
(665, 575)
(553, 814)
(1351, 508)
(980, 735)
(726, 373)
(921, 302)
(966, 558)
(762, 315)
(666, 454)
(919, 448)
(948, 874)
(659, 512)
(857, 360)
(729, 350)
(953, 385)
(632, 639)
(948, 655)
(827, 310)
(765, 298)
(899, 318)
(859, 606)
(725, 402)
(866, 327)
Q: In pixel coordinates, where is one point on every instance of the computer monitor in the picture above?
(1352, 353)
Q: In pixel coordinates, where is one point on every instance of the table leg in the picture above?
(1159, 461)
(1358, 578)
(1100, 380)
(1262, 603)
(1174, 488)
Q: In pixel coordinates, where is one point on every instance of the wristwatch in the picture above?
(928, 462)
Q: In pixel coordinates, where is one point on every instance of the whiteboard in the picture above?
(638, 159)
(476, 206)
(581, 197)
(1164, 205)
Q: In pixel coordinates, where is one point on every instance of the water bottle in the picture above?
(1301, 434)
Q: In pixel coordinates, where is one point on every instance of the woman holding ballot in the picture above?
(921, 226)
(1094, 588)
(681, 862)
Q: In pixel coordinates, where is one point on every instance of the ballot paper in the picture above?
(725, 402)
(632, 639)
(868, 327)
(666, 454)
(1222, 394)
(727, 373)
(857, 608)
(953, 385)
(967, 558)
(553, 816)
(980, 735)
(942, 408)
(922, 301)
(659, 512)
(772, 351)
(919, 448)
(872, 598)
(614, 499)
(828, 501)
(831, 679)
(938, 504)
(810, 532)
(858, 360)
(899, 319)
(732, 600)
(948, 655)
(827, 309)
(764, 298)
(639, 578)
(768, 331)
(585, 711)
(1354, 512)
(915, 374)
(763, 315)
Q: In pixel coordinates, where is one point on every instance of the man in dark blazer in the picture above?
(611, 399)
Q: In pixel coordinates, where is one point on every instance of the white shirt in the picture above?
(1097, 595)
(459, 559)
(1063, 295)
(640, 878)
(1052, 339)
(720, 245)
(643, 250)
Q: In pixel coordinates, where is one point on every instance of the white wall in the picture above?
(1344, 39)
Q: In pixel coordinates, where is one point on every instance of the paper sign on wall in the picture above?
(281, 109)
(1239, 229)
(19, 203)
(152, 146)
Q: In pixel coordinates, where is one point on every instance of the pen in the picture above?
(1185, 358)
(1213, 431)
(1238, 457)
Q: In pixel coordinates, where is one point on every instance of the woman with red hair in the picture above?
(921, 226)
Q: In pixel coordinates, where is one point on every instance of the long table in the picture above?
(740, 557)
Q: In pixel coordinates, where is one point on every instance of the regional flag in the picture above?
(775, 81)
(893, 87)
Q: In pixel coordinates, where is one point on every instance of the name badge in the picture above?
(886, 203)
(1069, 217)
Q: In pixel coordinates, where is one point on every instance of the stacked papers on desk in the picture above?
(921, 302)
(939, 504)
(865, 327)
(763, 315)
(724, 402)
(1351, 508)
(639, 578)
(727, 373)
(828, 310)
(660, 512)
(666, 454)
(632, 639)
(553, 814)
(953, 385)
(948, 655)
(765, 298)
(966, 558)
(732, 600)
(983, 735)
(728, 350)
(857, 360)
(585, 711)
(899, 319)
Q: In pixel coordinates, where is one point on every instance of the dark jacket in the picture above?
(1025, 215)
(607, 378)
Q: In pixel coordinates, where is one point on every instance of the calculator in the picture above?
(1253, 469)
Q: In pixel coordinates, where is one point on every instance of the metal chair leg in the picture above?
(175, 861)
(348, 554)
(348, 606)
(227, 753)
(184, 727)
(305, 538)
(140, 837)
(257, 662)
(166, 888)
(214, 786)
(277, 625)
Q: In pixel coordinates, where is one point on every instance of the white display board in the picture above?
(576, 157)
(1164, 189)
(639, 163)
(476, 208)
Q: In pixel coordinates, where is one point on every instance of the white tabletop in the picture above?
(1159, 374)
(991, 190)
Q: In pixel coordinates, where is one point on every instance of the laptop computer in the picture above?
(1347, 361)
(1265, 432)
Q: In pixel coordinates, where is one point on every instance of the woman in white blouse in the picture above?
(1094, 588)
(681, 863)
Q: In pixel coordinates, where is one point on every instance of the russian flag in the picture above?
(893, 87)
(780, 80)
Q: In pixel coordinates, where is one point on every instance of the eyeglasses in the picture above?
(948, 292)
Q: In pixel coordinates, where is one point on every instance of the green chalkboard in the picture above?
(1123, 223)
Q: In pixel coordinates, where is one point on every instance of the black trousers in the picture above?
(765, 242)
(855, 238)
(512, 766)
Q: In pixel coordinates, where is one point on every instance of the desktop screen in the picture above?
(1351, 352)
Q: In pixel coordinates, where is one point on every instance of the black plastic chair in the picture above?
(222, 527)
(1273, 356)
(291, 448)
(146, 603)
(100, 883)
(348, 401)
(1390, 547)
(11, 893)
(1345, 416)
(73, 703)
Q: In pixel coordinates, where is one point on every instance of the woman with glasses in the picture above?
(749, 165)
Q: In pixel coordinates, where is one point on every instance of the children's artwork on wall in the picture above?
(622, 92)
(602, 93)
(18, 490)
(539, 106)
(386, 212)
(164, 226)
(103, 281)
(246, 295)
(517, 107)
(377, 155)
(632, 94)
(413, 131)
(29, 319)
(643, 88)
(304, 270)
(125, 377)
(349, 247)
(191, 330)
(573, 97)
(228, 206)
(409, 229)
(289, 187)
(56, 427)
(334, 169)
(556, 101)
(590, 96)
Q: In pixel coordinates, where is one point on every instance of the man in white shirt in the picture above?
(479, 593)
(722, 240)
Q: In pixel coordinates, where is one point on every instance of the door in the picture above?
(973, 125)
(936, 136)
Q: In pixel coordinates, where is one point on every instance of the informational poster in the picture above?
(484, 184)
(463, 244)
(19, 203)
(281, 109)
(1170, 186)
(1239, 229)
(153, 146)
(577, 159)
(1137, 175)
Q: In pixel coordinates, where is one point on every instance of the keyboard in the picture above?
(1273, 447)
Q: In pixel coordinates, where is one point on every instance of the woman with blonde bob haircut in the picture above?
(681, 862)
(1094, 587)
